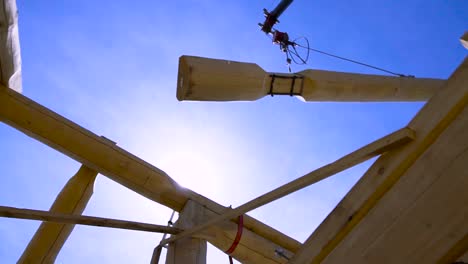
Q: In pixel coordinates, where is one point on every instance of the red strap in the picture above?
(240, 227)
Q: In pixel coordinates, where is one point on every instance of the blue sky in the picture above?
(111, 67)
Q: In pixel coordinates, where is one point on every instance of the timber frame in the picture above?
(400, 151)
(410, 206)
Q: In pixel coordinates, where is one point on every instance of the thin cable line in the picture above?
(353, 61)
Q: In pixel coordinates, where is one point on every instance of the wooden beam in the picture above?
(12, 212)
(424, 214)
(464, 40)
(110, 160)
(203, 79)
(50, 237)
(94, 151)
(428, 124)
(10, 63)
(369, 151)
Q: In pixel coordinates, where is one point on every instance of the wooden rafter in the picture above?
(428, 124)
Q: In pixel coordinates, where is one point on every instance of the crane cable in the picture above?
(293, 54)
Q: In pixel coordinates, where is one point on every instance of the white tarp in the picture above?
(10, 57)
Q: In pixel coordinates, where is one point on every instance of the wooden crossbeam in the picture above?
(204, 79)
(369, 151)
(12, 212)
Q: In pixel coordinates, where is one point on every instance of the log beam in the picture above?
(50, 237)
(12, 212)
(203, 79)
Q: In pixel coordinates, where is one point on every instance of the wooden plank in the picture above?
(30, 214)
(424, 215)
(428, 124)
(203, 79)
(117, 164)
(369, 151)
(50, 237)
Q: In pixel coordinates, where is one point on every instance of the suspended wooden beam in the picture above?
(12, 212)
(50, 237)
(203, 79)
(369, 151)
(434, 118)
(134, 173)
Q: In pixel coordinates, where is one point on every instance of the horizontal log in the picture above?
(203, 79)
(12, 212)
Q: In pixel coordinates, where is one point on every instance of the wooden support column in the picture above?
(50, 237)
(189, 250)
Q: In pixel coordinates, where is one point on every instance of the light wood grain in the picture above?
(428, 124)
(204, 79)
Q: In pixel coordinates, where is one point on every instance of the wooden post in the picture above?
(189, 250)
(50, 237)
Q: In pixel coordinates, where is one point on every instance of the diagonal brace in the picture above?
(396, 139)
